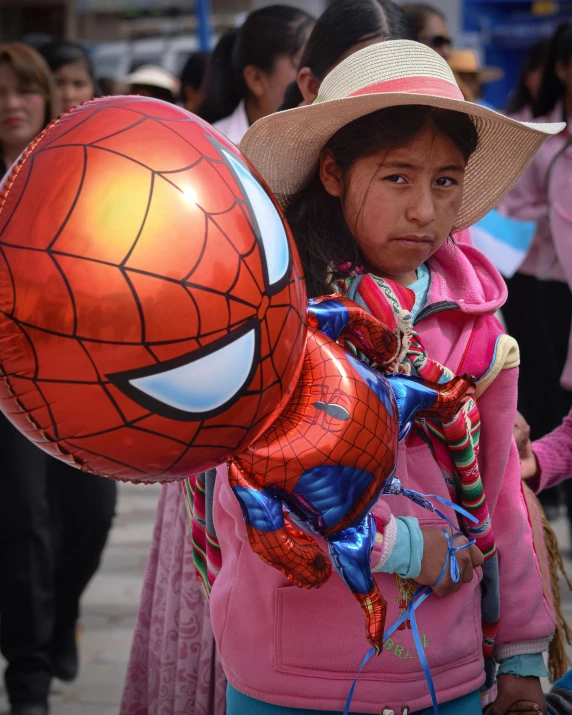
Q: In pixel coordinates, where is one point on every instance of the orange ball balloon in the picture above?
(152, 305)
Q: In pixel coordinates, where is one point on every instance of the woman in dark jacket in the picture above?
(54, 520)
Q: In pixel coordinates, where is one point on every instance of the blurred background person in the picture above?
(251, 67)
(27, 100)
(538, 312)
(525, 94)
(54, 521)
(345, 27)
(155, 82)
(192, 80)
(72, 71)
(429, 26)
(467, 67)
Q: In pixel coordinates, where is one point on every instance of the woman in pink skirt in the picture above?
(174, 668)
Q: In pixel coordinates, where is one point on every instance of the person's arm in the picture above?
(419, 553)
(548, 461)
(526, 624)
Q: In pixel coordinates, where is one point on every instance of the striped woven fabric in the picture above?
(206, 549)
(455, 445)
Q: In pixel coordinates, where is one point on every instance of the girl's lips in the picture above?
(13, 121)
(414, 239)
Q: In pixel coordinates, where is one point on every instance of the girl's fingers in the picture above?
(477, 558)
(525, 707)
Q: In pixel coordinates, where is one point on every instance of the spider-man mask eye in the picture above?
(200, 384)
(266, 223)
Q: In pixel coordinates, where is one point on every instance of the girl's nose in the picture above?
(422, 207)
(13, 100)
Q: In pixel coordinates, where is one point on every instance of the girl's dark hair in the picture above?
(193, 73)
(417, 15)
(323, 238)
(535, 59)
(344, 24)
(64, 52)
(551, 89)
(266, 35)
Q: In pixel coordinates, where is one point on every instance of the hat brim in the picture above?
(285, 146)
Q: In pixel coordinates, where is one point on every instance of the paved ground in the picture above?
(110, 607)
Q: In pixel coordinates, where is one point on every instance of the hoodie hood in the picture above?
(461, 274)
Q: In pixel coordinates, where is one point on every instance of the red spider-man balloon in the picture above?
(140, 257)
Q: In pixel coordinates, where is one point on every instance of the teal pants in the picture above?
(239, 704)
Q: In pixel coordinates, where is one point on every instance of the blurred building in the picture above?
(124, 34)
(99, 20)
(19, 18)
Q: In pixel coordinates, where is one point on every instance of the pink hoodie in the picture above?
(543, 195)
(298, 648)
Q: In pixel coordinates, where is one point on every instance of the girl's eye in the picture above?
(395, 179)
(446, 182)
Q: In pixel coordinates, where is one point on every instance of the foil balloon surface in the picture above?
(325, 460)
(152, 306)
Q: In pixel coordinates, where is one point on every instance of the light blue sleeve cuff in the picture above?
(524, 665)
(405, 559)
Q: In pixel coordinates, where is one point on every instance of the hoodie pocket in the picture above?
(322, 633)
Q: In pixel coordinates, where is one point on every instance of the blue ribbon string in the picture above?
(395, 488)
(419, 596)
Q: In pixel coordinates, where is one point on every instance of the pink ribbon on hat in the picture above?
(413, 85)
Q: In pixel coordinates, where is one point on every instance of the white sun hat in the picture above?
(154, 76)
(285, 147)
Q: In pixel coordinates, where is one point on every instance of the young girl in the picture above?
(251, 67)
(73, 72)
(345, 27)
(375, 175)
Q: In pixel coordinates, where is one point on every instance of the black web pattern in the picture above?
(181, 441)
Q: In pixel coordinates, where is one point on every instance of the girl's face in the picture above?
(73, 84)
(564, 72)
(533, 80)
(22, 110)
(269, 87)
(400, 204)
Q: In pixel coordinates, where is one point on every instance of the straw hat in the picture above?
(154, 76)
(285, 147)
(465, 61)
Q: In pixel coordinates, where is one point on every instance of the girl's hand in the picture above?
(528, 463)
(434, 556)
(518, 695)
(521, 432)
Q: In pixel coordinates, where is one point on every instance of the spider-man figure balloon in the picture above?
(153, 324)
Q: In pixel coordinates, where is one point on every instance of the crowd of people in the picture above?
(387, 187)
